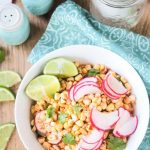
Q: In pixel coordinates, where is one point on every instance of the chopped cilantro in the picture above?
(62, 118)
(77, 108)
(92, 72)
(115, 143)
(68, 139)
(49, 112)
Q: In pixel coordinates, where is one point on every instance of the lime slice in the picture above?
(61, 67)
(44, 85)
(6, 131)
(9, 78)
(6, 95)
(2, 55)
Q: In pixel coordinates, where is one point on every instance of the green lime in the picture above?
(61, 67)
(6, 95)
(9, 78)
(6, 131)
(2, 55)
(43, 85)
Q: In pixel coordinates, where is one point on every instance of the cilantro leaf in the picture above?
(49, 112)
(77, 108)
(92, 72)
(68, 139)
(115, 143)
(2, 55)
(62, 118)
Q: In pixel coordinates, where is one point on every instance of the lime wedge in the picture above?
(6, 131)
(9, 78)
(61, 67)
(6, 95)
(44, 85)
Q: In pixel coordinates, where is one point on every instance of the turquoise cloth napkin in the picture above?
(70, 24)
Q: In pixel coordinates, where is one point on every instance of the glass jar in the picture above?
(120, 13)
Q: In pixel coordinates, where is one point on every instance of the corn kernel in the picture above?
(78, 77)
(57, 96)
(82, 117)
(79, 123)
(83, 131)
(69, 85)
(74, 117)
(32, 122)
(96, 66)
(46, 145)
(77, 133)
(70, 122)
(102, 67)
(65, 125)
(75, 128)
(99, 108)
(103, 105)
(97, 95)
(77, 64)
(110, 107)
(123, 80)
(128, 86)
(62, 101)
(41, 140)
(84, 71)
(87, 102)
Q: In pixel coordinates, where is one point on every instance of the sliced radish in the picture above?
(77, 86)
(128, 128)
(88, 79)
(71, 93)
(86, 146)
(115, 85)
(40, 119)
(86, 89)
(109, 92)
(99, 144)
(54, 138)
(104, 121)
(94, 137)
(124, 116)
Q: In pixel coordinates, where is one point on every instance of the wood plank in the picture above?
(16, 58)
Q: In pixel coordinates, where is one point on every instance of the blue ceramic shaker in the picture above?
(38, 7)
(14, 25)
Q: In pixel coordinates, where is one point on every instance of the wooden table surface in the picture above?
(16, 58)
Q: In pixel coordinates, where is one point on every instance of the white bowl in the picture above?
(83, 54)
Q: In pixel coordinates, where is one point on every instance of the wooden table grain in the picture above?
(16, 58)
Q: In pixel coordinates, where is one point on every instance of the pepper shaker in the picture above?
(14, 25)
(38, 7)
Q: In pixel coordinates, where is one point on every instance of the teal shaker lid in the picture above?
(11, 17)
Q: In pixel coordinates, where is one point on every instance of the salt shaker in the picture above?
(38, 7)
(120, 13)
(14, 25)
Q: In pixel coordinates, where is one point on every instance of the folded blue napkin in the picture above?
(70, 24)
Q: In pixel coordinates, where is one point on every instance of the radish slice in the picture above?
(94, 137)
(115, 85)
(86, 146)
(86, 89)
(124, 117)
(99, 144)
(77, 86)
(104, 121)
(109, 92)
(40, 119)
(54, 138)
(71, 93)
(128, 128)
(88, 79)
